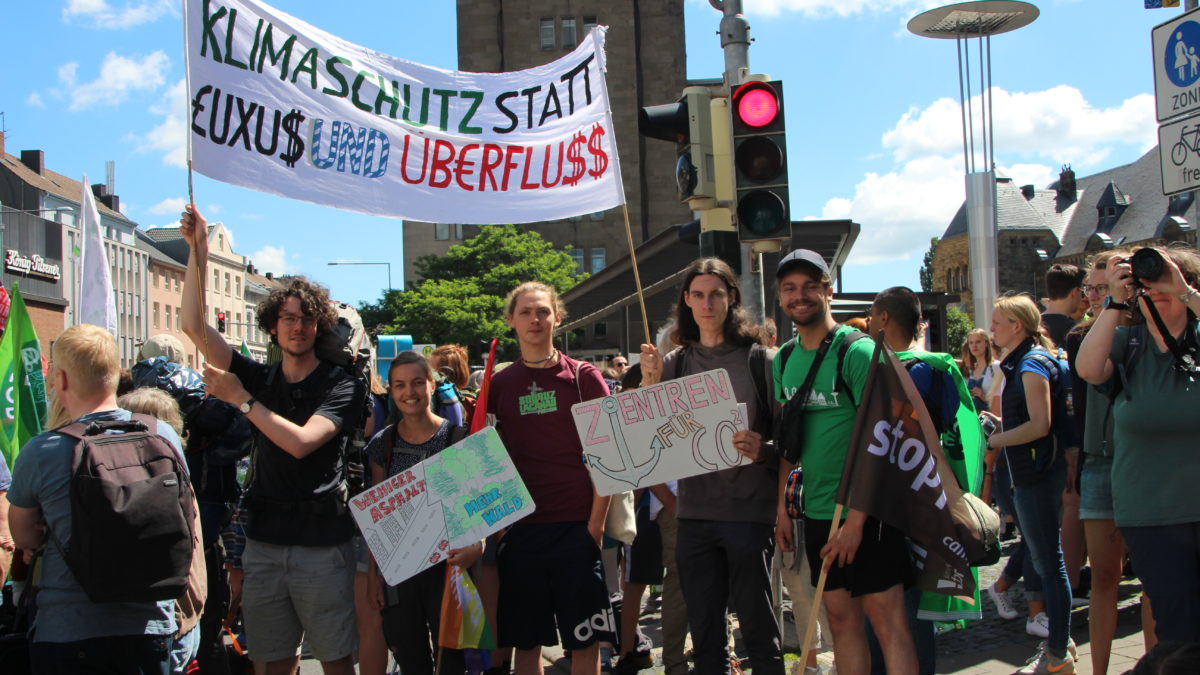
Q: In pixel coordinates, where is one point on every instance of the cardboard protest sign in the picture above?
(667, 431)
(281, 106)
(453, 499)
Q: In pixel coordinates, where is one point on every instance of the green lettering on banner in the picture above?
(268, 52)
(207, 36)
(358, 80)
(229, 60)
(343, 86)
(476, 98)
(383, 97)
(308, 64)
(445, 95)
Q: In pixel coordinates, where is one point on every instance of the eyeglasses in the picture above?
(1102, 289)
(290, 321)
(620, 364)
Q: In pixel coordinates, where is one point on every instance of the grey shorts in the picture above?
(295, 592)
(1095, 489)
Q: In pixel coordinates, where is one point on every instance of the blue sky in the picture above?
(872, 114)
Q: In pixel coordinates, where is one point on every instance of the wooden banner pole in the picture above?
(637, 278)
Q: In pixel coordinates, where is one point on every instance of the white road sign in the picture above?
(1179, 155)
(1176, 46)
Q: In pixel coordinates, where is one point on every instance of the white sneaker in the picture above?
(1004, 606)
(1038, 626)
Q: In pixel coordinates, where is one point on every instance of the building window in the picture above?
(156, 315)
(178, 319)
(216, 280)
(441, 231)
(596, 216)
(598, 260)
(547, 33)
(569, 34)
(237, 286)
(600, 330)
(577, 256)
(178, 280)
(154, 278)
(238, 324)
(227, 283)
(589, 22)
(190, 364)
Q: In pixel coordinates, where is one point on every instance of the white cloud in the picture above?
(169, 205)
(902, 208)
(1057, 124)
(828, 8)
(99, 14)
(34, 100)
(119, 77)
(170, 136)
(271, 259)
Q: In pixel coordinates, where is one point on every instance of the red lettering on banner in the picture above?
(509, 164)
(439, 168)
(404, 160)
(463, 165)
(486, 166)
(500, 168)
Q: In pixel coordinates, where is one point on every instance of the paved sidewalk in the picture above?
(992, 646)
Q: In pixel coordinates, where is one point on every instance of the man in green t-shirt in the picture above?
(868, 560)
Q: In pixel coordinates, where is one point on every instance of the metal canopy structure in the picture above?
(963, 22)
(987, 17)
(661, 260)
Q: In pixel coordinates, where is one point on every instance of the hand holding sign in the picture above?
(663, 432)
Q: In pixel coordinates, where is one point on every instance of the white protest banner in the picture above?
(280, 106)
(453, 499)
(667, 431)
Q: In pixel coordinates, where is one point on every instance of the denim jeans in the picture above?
(1019, 564)
(1038, 506)
(1167, 560)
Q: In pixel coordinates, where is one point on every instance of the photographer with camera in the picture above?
(1156, 393)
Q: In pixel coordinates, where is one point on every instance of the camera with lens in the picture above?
(1146, 264)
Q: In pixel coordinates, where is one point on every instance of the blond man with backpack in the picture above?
(106, 595)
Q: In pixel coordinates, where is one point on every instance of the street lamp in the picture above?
(963, 22)
(57, 209)
(389, 268)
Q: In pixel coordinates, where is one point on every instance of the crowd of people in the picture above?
(1088, 451)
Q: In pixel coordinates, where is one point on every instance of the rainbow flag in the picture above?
(463, 624)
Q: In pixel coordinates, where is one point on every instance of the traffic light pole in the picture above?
(735, 41)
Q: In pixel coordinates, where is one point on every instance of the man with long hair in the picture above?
(726, 519)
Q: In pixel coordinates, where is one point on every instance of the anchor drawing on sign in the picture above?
(630, 471)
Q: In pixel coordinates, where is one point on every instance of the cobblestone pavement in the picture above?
(990, 646)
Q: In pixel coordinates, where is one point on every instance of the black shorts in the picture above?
(643, 558)
(882, 560)
(551, 587)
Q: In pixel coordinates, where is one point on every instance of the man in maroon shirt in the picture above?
(551, 575)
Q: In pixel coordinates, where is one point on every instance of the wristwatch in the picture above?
(245, 407)
(1109, 303)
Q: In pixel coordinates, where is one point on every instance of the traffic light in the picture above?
(760, 161)
(221, 322)
(686, 123)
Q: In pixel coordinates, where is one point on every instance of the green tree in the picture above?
(958, 324)
(927, 265)
(459, 297)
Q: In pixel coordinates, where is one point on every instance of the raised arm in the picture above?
(207, 339)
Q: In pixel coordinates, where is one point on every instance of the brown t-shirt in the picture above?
(533, 415)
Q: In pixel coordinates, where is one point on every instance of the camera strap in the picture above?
(1184, 360)
(816, 365)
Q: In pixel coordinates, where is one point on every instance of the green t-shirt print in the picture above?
(828, 415)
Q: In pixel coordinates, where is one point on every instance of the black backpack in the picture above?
(132, 512)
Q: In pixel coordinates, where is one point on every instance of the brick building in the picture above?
(1067, 222)
(646, 65)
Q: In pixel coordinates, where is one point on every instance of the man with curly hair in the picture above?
(299, 561)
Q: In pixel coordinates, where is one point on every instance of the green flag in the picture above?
(245, 350)
(24, 384)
